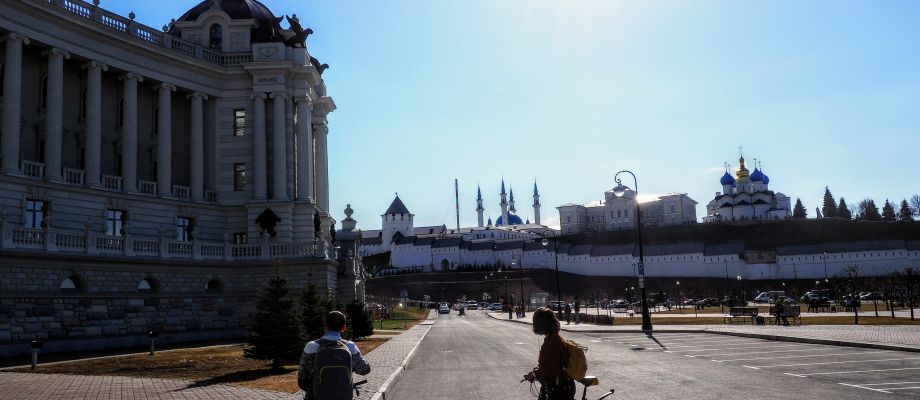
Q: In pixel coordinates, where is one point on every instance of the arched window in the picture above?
(217, 37)
(73, 284)
(148, 285)
(214, 286)
(43, 95)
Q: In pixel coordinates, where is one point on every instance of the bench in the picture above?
(742, 314)
(792, 313)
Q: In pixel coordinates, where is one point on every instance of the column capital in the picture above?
(258, 95)
(278, 95)
(16, 36)
(167, 86)
(95, 64)
(131, 76)
(56, 51)
(304, 99)
(196, 95)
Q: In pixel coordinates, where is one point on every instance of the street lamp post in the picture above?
(722, 300)
(521, 271)
(620, 190)
(680, 304)
(545, 242)
(743, 297)
(508, 301)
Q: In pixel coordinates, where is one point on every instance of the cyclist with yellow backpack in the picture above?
(560, 362)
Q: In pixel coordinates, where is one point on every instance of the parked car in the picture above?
(864, 296)
(820, 295)
(444, 309)
(483, 305)
(619, 304)
(495, 307)
(769, 297)
(472, 305)
(555, 305)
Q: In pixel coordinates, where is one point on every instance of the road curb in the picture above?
(778, 338)
(381, 393)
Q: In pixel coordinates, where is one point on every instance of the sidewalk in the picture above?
(888, 337)
(387, 360)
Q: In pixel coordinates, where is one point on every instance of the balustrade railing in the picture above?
(74, 176)
(33, 169)
(111, 182)
(148, 34)
(181, 192)
(210, 196)
(54, 240)
(147, 187)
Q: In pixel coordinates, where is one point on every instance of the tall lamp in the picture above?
(620, 191)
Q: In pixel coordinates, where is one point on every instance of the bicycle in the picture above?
(587, 382)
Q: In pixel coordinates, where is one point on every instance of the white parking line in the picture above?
(890, 383)
(833, 362)
(863, 387)
(759, 352)
(737, 348)
(714, 345)
(805, 356)
(855, 372)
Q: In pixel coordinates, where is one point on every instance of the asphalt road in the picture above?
(477, 357)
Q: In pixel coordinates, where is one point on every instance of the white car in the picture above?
(495, 307)
(472, 305)
(444, 309)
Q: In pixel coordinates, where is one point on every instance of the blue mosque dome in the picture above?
(757, 176)
(727, 179)
(512, 220)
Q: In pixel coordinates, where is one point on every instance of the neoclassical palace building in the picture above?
(152, 178)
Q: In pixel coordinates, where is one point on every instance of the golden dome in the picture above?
(742, 170)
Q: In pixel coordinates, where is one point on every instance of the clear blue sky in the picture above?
(569, 92)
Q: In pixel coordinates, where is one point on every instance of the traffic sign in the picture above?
(641, 268)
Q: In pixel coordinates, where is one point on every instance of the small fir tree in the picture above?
(360, 322)
(888, 212)
(830, 207)
(276, 332)
(906, 213)
(843, 210)
(312, 313)
(799, 212)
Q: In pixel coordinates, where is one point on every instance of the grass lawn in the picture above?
(203, 366)
(403, 319)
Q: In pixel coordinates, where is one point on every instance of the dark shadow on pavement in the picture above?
(651, 336)
(240, 376)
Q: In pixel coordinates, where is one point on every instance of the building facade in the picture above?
(619, 212)
(146, 168)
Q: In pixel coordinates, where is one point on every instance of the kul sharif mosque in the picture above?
(747, 196)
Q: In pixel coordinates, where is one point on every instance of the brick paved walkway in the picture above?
(22, 386)
(904, 336)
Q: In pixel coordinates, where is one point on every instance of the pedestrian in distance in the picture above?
(555, 382)
(577, 310)
(326, 364)
(781, 311)
(568, 314)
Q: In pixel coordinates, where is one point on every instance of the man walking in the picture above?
(327, 363)
(568, 314)
(577, 311)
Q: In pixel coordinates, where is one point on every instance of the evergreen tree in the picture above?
(312, 313)
(360, 322)
(843, 210)
(799, 212)
(906, 213)
(276, 331)
(830, 207)
(888, 212)
(868, 211)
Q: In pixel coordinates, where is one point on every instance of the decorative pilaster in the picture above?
(279, 144)
(12, 102)
(164, 140)
(54, 117)
(129, 134)
(197, 146)
(305, 165)
(259, 170)
(93, 146)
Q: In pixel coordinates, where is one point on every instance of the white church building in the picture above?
(747, 197)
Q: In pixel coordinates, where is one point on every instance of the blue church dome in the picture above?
(757, 176)
(766, 179)
(512, 220)
(727, 179)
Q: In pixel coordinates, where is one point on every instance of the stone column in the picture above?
(197, 146)
(129, 134)
(304, 131)
(12, 102)
(322, 167)
(54, 113)
(164, 141)
(279, 144)
(93, 146)
(259, 170)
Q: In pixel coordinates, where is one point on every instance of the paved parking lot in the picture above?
(880, 371)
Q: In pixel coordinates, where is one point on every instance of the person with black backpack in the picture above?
(327, 363)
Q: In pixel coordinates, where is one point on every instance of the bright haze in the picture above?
(824, 93)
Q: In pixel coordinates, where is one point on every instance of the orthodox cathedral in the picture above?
(747, 196)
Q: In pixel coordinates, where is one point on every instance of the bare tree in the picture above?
(909, 282)
(915, 204)
(849, 282)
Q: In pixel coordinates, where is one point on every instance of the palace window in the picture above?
(239, 177)
(43, 95)
(239, 122)
(217, 37)
(183, 229)
(114, 222)
(35, 213)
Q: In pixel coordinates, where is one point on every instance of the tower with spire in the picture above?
(536, 203)
(479, 209)
(504, 203)
(397, 222)
(511, 201)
